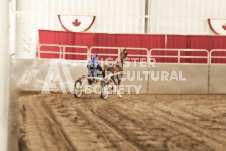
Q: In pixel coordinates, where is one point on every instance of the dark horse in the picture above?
(116, 68)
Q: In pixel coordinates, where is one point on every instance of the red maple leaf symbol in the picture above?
(76, 22)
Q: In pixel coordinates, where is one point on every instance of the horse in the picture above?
(117, 68)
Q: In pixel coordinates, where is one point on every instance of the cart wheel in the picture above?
(78, 89)
(104, 90)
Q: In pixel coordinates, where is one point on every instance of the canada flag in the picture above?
(218, 26)
(76, 23)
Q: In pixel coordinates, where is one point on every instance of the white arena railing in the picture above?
(215, 54)
(62, 50)
(118, 49)
(138, 49)
(74, 53)
(35, 49)
(179, 56)
(103, 54)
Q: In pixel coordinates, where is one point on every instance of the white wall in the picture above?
(184, 16)
(217, 79)
(182, 79)
(112, 16)
(30, 74)
(115, 16)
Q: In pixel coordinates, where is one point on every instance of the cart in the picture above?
(104, 82)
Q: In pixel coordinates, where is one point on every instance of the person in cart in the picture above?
(94, 68)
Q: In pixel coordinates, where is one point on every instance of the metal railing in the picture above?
(61, 50)
(104, 54)
(118, 53)
(179, 56)
(74, 53)
(139, 55)
(217, 56)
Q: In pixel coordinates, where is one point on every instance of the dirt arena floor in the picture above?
(60, 122)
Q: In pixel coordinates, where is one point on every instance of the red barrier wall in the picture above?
(127, 40)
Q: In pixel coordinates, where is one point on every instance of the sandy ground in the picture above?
(60, 122)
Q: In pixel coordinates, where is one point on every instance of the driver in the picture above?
(94, 68)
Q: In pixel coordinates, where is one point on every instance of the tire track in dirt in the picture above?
(132, 123)
(147, 123)
(130, 129)
(40, 130)
(115, 138)
(59, 129)
(183, 126)
(219, 120)
(55, 130)
(80, 131)
(105, 136)
(192, 126)
(175, 134)
(184, 132)
(29, 126)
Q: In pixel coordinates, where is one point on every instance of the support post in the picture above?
(4, 70)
